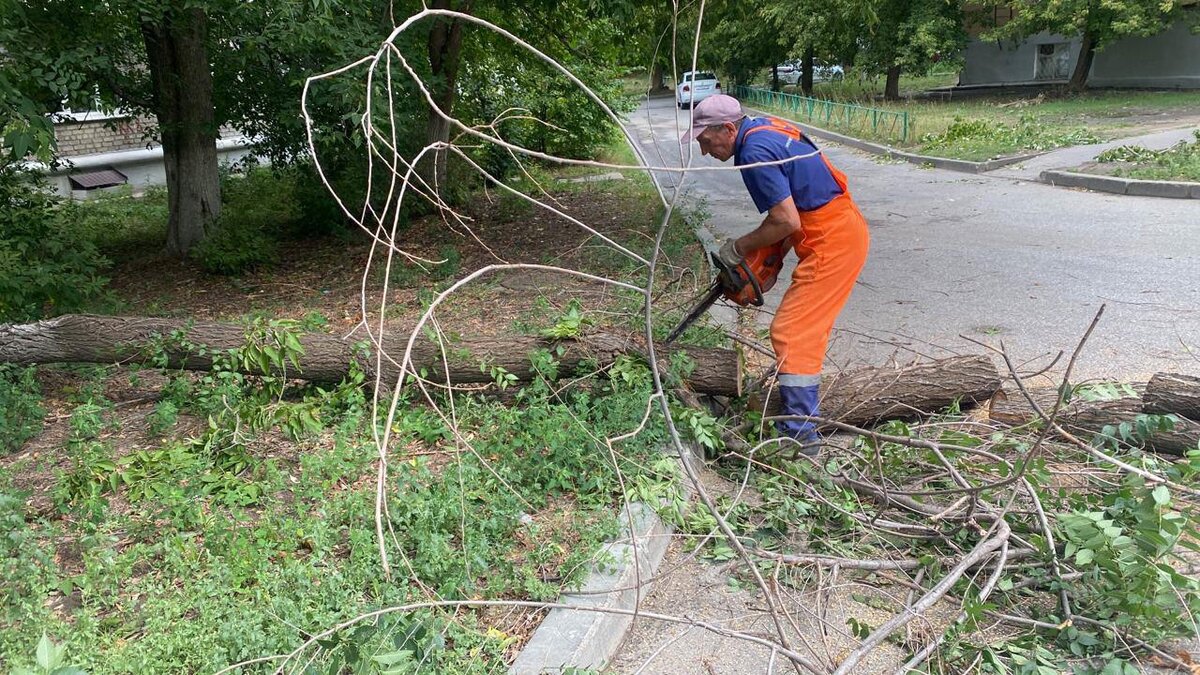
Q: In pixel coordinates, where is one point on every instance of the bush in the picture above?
(21, 409)
(119, 224)
(45, 269)
(258, 207)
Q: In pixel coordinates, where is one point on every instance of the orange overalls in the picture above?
(832, 247)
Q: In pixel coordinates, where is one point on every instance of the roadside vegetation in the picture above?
(1180, 162)
(170, 521)
(988, 127)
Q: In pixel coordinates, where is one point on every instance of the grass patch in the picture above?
(247, 522)
(179, 522)
(984, 128)
(1179, 163)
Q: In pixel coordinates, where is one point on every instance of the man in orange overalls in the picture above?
(805, 198)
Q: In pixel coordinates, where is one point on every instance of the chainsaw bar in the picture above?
(714, 292)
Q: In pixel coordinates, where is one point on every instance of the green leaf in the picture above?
(48, 658)
(392, 658)
(1162, 495)
(1084, 556)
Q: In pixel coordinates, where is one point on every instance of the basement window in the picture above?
(94, 180)
(1053, 61)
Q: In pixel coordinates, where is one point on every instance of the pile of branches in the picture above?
(1047, 517)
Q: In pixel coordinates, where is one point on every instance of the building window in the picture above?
(1053, 61)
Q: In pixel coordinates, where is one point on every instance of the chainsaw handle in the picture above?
(757, 300)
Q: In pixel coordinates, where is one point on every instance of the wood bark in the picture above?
(445, 55)
(1085, 419)
(868, 395)
(182, 94)
(80, 338)
(806, 74)
(1083, 65)
(891, 88)
(1173, 393)
(658, 81)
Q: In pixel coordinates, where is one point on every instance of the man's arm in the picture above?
(782, 220)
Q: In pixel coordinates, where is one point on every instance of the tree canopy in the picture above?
(1098, 24)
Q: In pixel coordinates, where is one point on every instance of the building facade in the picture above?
(1169, 60)
(105, 151)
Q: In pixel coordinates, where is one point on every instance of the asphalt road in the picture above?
(987, 257)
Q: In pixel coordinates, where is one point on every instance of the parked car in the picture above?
(789, 73)
(695, 86)
(792, 71)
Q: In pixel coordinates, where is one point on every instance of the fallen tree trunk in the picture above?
(80, 338)
(1173, 393)
(1085, 419)
(866, 395)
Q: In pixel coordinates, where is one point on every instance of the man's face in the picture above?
(718, 141)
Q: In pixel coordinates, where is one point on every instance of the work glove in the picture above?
(728, 254)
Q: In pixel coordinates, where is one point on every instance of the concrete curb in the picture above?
(1123, 186)
(589, 640)
(961, 165)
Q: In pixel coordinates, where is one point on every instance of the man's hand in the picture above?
(729, 254)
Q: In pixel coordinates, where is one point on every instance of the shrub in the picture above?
(119, 223)
(20, 407)
(45, 269)
(258, 206)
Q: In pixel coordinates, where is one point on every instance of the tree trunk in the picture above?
(1085, 419)
(1083, 65)
(806, 74)
(181, 77)
(81, 338)
(1171, 393)
(775, 78)
(891, 90)
(657, 78)
(445, 56)
(867, 395)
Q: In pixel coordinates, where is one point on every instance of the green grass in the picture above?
(235, 515)
(201, 552)
(1179, 163)
(983, 128)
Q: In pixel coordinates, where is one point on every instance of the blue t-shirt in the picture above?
(807, 180)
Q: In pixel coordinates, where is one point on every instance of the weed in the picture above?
(51, 659)
(163, 418)
(21, 411)
(569, 324)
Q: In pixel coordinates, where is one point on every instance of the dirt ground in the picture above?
(327, 276)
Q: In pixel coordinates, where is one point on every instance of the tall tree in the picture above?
(1098, 24)
(144, 56)
(910, 36)
(744, 37)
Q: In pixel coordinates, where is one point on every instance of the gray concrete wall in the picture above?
(1169, 60)
(1007, 62)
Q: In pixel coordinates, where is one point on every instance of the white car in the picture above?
(695, 86)
(788, 73)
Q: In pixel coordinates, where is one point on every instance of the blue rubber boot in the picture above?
(799, 396)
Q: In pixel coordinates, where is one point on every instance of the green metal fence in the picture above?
(830, 114)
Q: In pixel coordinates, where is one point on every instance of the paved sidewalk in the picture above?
(1067, 158)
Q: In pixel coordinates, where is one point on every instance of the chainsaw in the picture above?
(743, 285)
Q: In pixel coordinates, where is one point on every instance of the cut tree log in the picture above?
(856, 397)
(80, 338)
(867, 395)
(1085, 419)
(1173, 393)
